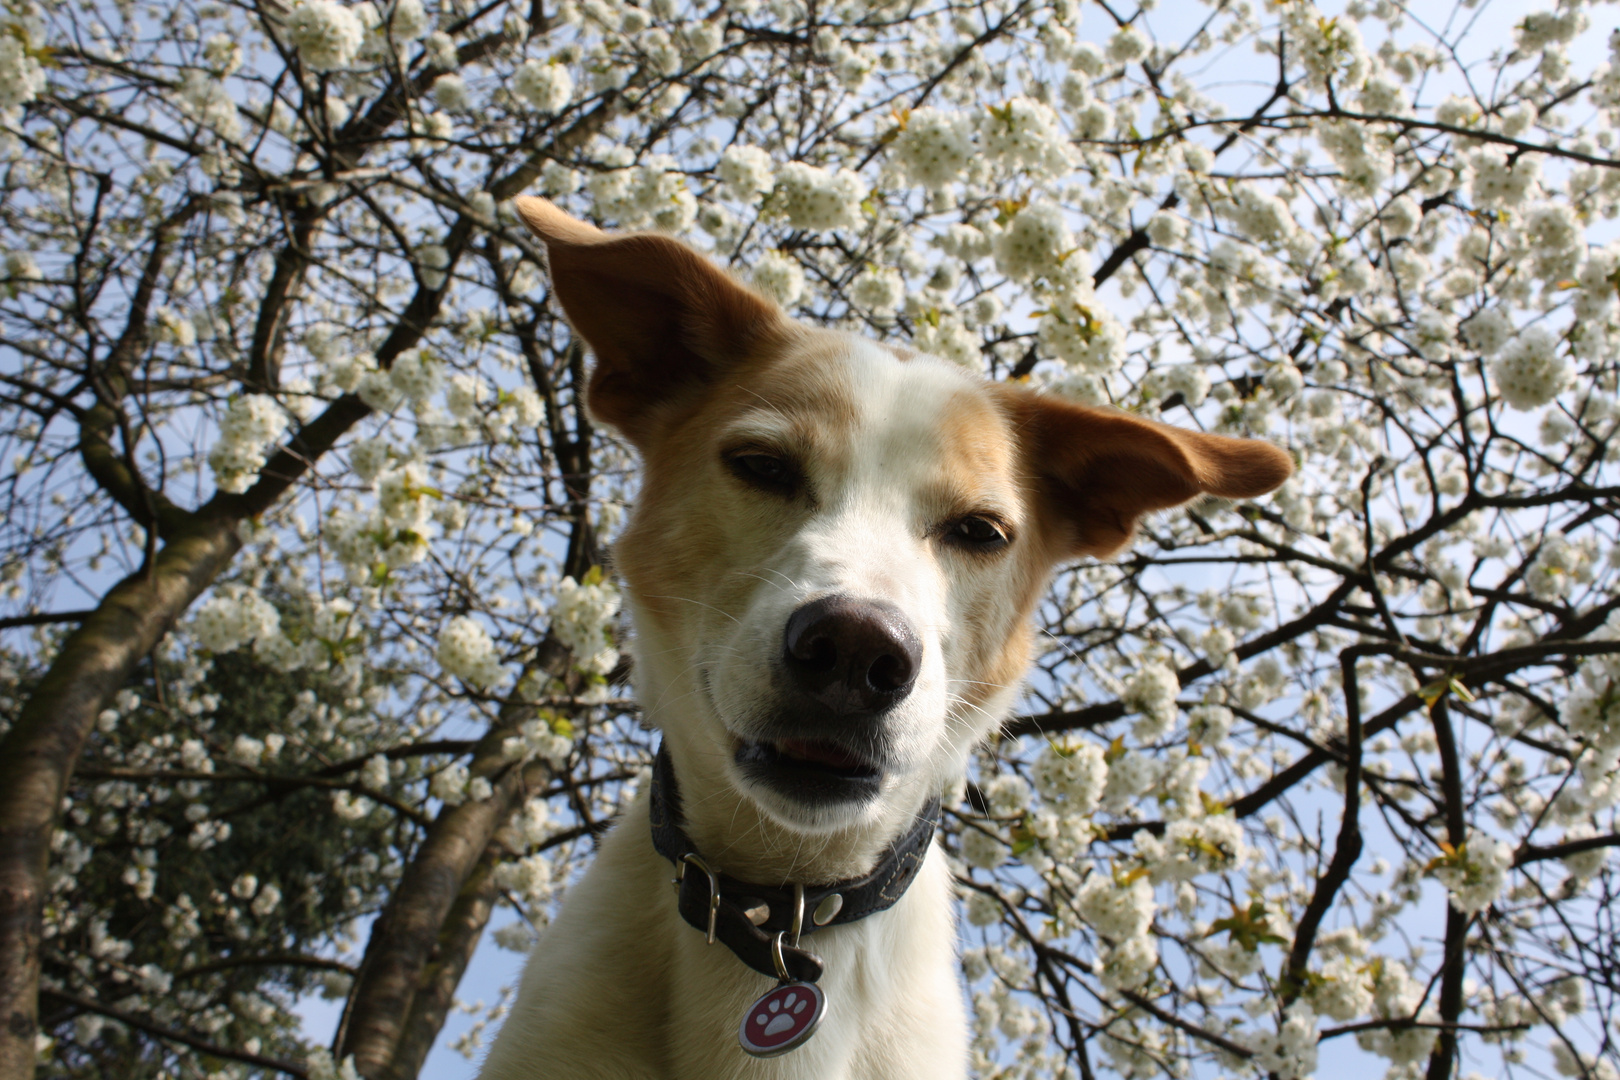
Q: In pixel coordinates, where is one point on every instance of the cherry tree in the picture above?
(310, 664)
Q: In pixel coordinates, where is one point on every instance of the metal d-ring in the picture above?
(714, 889)
(798, 913)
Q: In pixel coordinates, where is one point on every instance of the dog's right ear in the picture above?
(1101, 470)
(662, 319)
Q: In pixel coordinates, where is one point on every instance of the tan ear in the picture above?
(662, 319)
(1101, 469)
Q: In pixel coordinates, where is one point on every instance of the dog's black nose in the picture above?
(854, 656)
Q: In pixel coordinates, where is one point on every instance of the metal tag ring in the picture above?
(777, 959)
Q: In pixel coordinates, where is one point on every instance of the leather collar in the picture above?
(749, 916)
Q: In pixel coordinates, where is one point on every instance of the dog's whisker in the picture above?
(699, 603)
(791, 582)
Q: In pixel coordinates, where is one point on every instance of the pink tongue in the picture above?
(820, 753)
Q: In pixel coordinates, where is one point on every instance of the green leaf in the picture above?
(1248, 927)
(1023, 837)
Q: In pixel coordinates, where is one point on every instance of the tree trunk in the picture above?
(38, 754)
(436, 991)
(404, 938)
(421, 944)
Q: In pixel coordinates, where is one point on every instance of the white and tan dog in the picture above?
(831, 569)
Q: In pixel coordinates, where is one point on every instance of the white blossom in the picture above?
(1396, 995)
(879, 289)
(1341, 990)
(945, 335)
(1127, 45)
(935, 147)
(747, 172)
(1476, 873)
(251, 424)
(1497, 182)
(982, 849)
(1117, 911)
(1291, 1053)
(1531, 370)
(1036, 243)
(1007, 794)
(1191, 846)
(416, 375)
(548, 87)
(451, 92)
(1488, 330)
(964, 242)
(21, 75)
(813, 198)
(583, 620)
(779, 277)
(208, 101)
(1127, 964)
(466, 651)
(1152, 692)
(465, 396)
(1260, 216)
(1025, 134)
(1129, 776)
(1071, 775)
(327, 35)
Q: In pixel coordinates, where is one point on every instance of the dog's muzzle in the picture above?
(846, 664)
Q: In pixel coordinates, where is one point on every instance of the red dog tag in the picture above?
(782, 1020)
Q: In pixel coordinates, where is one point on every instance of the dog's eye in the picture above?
(765, 470)
(976, 532)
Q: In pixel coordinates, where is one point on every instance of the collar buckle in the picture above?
(693, 858)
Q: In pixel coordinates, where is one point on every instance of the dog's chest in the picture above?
(620, 986)
(893, 1004)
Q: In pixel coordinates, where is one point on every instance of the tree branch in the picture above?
(175, 1035)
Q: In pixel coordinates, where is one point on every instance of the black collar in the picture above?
(752, 919)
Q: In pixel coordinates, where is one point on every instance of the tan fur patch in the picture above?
(692, 527)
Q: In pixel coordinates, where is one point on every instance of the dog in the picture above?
(831, 569)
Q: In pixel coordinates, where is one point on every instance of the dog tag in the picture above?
(783, 1019)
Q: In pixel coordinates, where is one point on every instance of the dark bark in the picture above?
(436, 993)
(1455, 964)
(404, 938)
(1347, 849)
(38, 754)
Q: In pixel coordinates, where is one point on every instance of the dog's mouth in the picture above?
(811, 770)
(823, 754)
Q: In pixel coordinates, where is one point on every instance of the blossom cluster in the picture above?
(1397, 269)
(249, 429)
(583, 618)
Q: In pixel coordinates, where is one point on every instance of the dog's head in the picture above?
(838, 545)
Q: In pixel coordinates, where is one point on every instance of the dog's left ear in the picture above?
(1100, 470)
(661, 318)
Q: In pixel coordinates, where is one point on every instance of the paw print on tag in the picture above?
(786, 1014)
(782, 1019)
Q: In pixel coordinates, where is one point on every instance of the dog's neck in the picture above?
(740, 839)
